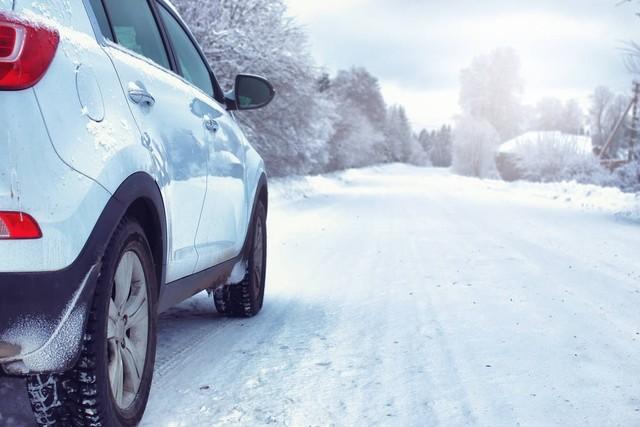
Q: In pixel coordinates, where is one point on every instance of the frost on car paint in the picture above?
(62, 348)
(43, 344)
(31, 334)
(103, 137)
(61, 11)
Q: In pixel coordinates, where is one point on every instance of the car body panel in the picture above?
(225, 213)
(33, 179)
(177, 140)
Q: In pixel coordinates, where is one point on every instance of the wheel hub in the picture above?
(128, 329)
(121, 330)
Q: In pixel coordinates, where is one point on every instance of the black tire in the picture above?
(246, 298)
(84, 396)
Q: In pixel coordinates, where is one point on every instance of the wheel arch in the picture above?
(262, 192)
(143, 211)
(140, 199)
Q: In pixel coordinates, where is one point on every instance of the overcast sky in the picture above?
(418, 47)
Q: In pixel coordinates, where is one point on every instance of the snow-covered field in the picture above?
(400, 296)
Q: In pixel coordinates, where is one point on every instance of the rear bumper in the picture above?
(43, 316)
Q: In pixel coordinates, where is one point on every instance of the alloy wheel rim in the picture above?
(127, 330)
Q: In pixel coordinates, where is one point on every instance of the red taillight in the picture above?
(18, 225)
(8, 38)
(26, 51)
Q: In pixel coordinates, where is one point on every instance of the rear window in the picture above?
(192, 67)
(6, 4)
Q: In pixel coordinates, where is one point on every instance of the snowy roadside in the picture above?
(405, 296)
(584, 197)
(295, 188)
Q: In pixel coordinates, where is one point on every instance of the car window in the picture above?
(135, 28)
(101, 16)
(192, 66)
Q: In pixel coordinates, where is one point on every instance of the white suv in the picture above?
(126, 186)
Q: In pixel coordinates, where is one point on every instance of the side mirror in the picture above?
(250, 93)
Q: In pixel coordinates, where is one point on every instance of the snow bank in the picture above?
(295, 188)
(582, 196)
(572, 195)
(581, 144)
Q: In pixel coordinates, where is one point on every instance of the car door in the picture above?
(163, 107)
(222, 228)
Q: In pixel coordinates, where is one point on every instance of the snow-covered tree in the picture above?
(551, 114)
(573, 118)
(548, 115)
(437, 145)
(256, 36)
(491, 90)
(366, 131)
(474, 147)
(628, 177)
(362, 90)
(355, 143)
(402, 144)
(358, 136)
(316, 123)
(556, 156)
(425, 139)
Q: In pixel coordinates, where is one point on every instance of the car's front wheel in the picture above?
(246, 298)
(111, 382)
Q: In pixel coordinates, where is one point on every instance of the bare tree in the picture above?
(491, 90)
(632, 52)
(632, 57)
(606, 109)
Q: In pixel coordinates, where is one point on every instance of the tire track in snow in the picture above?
(544, 302)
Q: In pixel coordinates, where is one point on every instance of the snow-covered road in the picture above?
(400, 296)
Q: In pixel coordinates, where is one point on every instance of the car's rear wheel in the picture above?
(111, 382)
(246, 298)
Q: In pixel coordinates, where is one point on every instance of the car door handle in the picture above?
(140, 96)
(211, 125)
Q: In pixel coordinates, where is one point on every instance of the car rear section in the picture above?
(53, 208)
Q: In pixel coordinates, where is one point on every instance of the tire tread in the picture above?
(73, 399)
